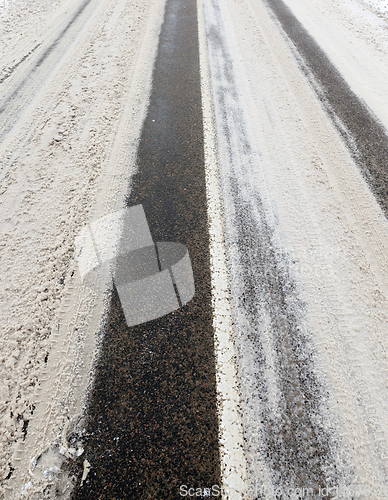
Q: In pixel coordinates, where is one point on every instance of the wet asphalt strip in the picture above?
(151, 422)
(364, 135)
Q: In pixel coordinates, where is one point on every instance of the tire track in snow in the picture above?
(281, 399)
(23, 91)
(8, 71)
(102, 161)
(361, 131)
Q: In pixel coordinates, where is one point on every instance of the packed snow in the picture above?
(75, 84)
(307, 255)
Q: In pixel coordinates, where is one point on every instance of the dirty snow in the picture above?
(355, 38)
(307, 252)
(380, 6)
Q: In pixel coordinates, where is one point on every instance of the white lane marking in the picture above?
(233, 462)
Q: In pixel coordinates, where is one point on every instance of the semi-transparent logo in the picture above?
(151, 279)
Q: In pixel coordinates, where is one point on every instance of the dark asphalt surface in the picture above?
(152, 424)
(362, 132)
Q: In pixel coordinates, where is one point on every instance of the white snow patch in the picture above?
(355, 38)
(66, 159)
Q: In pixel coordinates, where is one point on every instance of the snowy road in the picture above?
(72, 114)
(306, 245)
(295, 153)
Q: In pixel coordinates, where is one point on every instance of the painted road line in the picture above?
(233, 467)
(280, 394)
